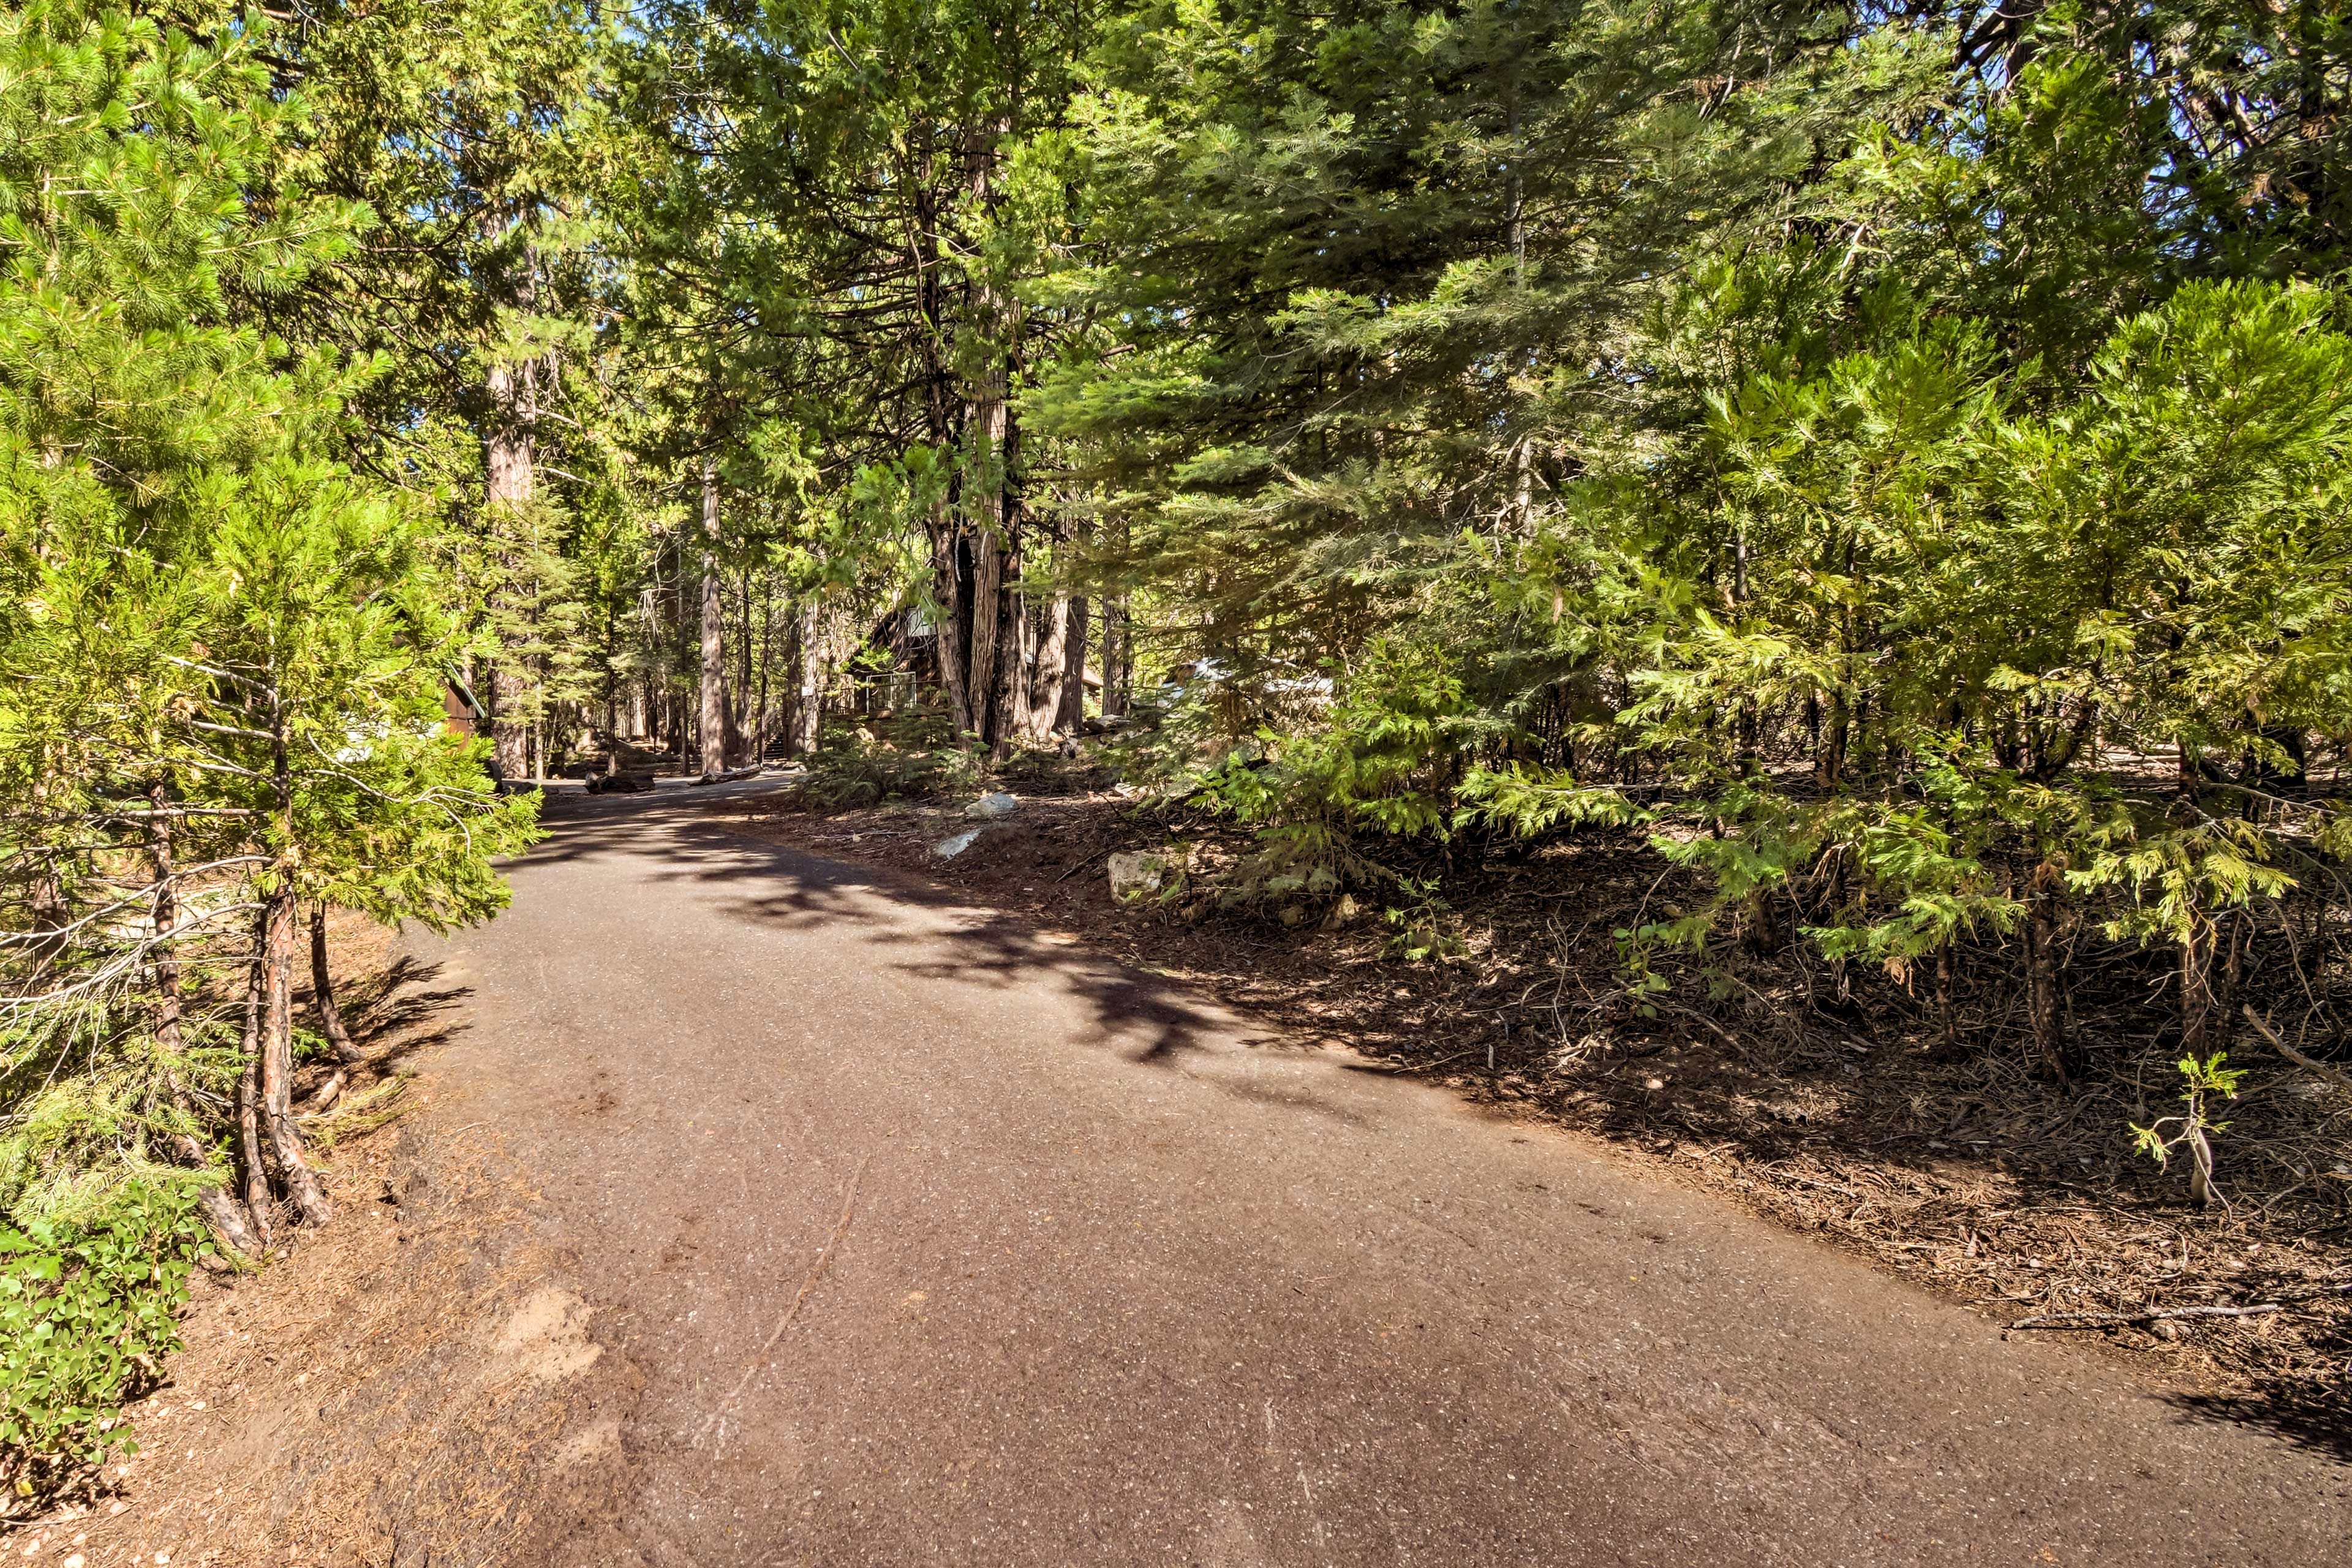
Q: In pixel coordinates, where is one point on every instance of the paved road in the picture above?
(916, 1237)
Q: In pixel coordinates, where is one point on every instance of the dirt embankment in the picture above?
(1852, 1116)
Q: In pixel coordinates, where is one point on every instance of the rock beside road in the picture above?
(1137, 875)
(619, 784)
(948, 848)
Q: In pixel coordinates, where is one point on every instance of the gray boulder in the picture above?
(1137, 875)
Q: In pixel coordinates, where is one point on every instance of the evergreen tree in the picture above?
(478, 134)
(221, 651)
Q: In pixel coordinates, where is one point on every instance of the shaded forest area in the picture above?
(1874, 476)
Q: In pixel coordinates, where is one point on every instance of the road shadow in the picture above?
(399, 1012)
(1825, 1116)
(1148, 1019)
(2318, 1420)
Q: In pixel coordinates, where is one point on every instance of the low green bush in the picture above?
(88, 1313)
(909, 756)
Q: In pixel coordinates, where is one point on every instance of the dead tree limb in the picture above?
(2334, 1074)
(2112, 1320)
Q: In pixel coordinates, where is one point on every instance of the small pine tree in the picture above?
(219, 649)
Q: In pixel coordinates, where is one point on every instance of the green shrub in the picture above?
(911, 756)
(87, 1315)
(1378, 759)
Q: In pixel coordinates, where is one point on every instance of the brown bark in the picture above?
(1829, 761)
(508, 461)
(224, 1215)
(227, 1217)
(738, 696)
(1074, 670)
(946, 537)
(950, 590)
(979, 673)
(2196, 967)
(322, 994)
(1118, 658)
(714, 614)
(1011, 701)
(1047, 674)
(253, 1176)
(1052, 671)
(276, 1055)
(808, 716)
(997, 679)
(167, 917)
(767, 652)
(2042, 1003)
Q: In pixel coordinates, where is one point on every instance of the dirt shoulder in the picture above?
(412, 1382)
(1854, 1119)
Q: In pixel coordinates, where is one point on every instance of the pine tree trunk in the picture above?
(508, 462)
(808, 719)
(273, 978)
(224, 1214)
(767, 655)
(738, 696)
(997, 680)
(278, 1057)
(1011, 702)
(1828, 759)
(987, 608)
(954, 604)
(252, 1172)
(1116, 660)
(227, 1219)
(1073, 670)
(949, 561)
(2195, 968)
(1052, 672)
(714, 613)
(322, 994)
(167, 920)
(1048, 672)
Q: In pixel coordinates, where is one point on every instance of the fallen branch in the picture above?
(324, 1100)
(1084, 864)
(2336, 1075)
(2111, 1319)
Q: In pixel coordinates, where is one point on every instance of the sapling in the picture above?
(2205, 1079)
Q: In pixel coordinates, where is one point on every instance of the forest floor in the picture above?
(1857, 1123)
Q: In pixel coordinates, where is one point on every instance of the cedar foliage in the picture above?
(1909, 449)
